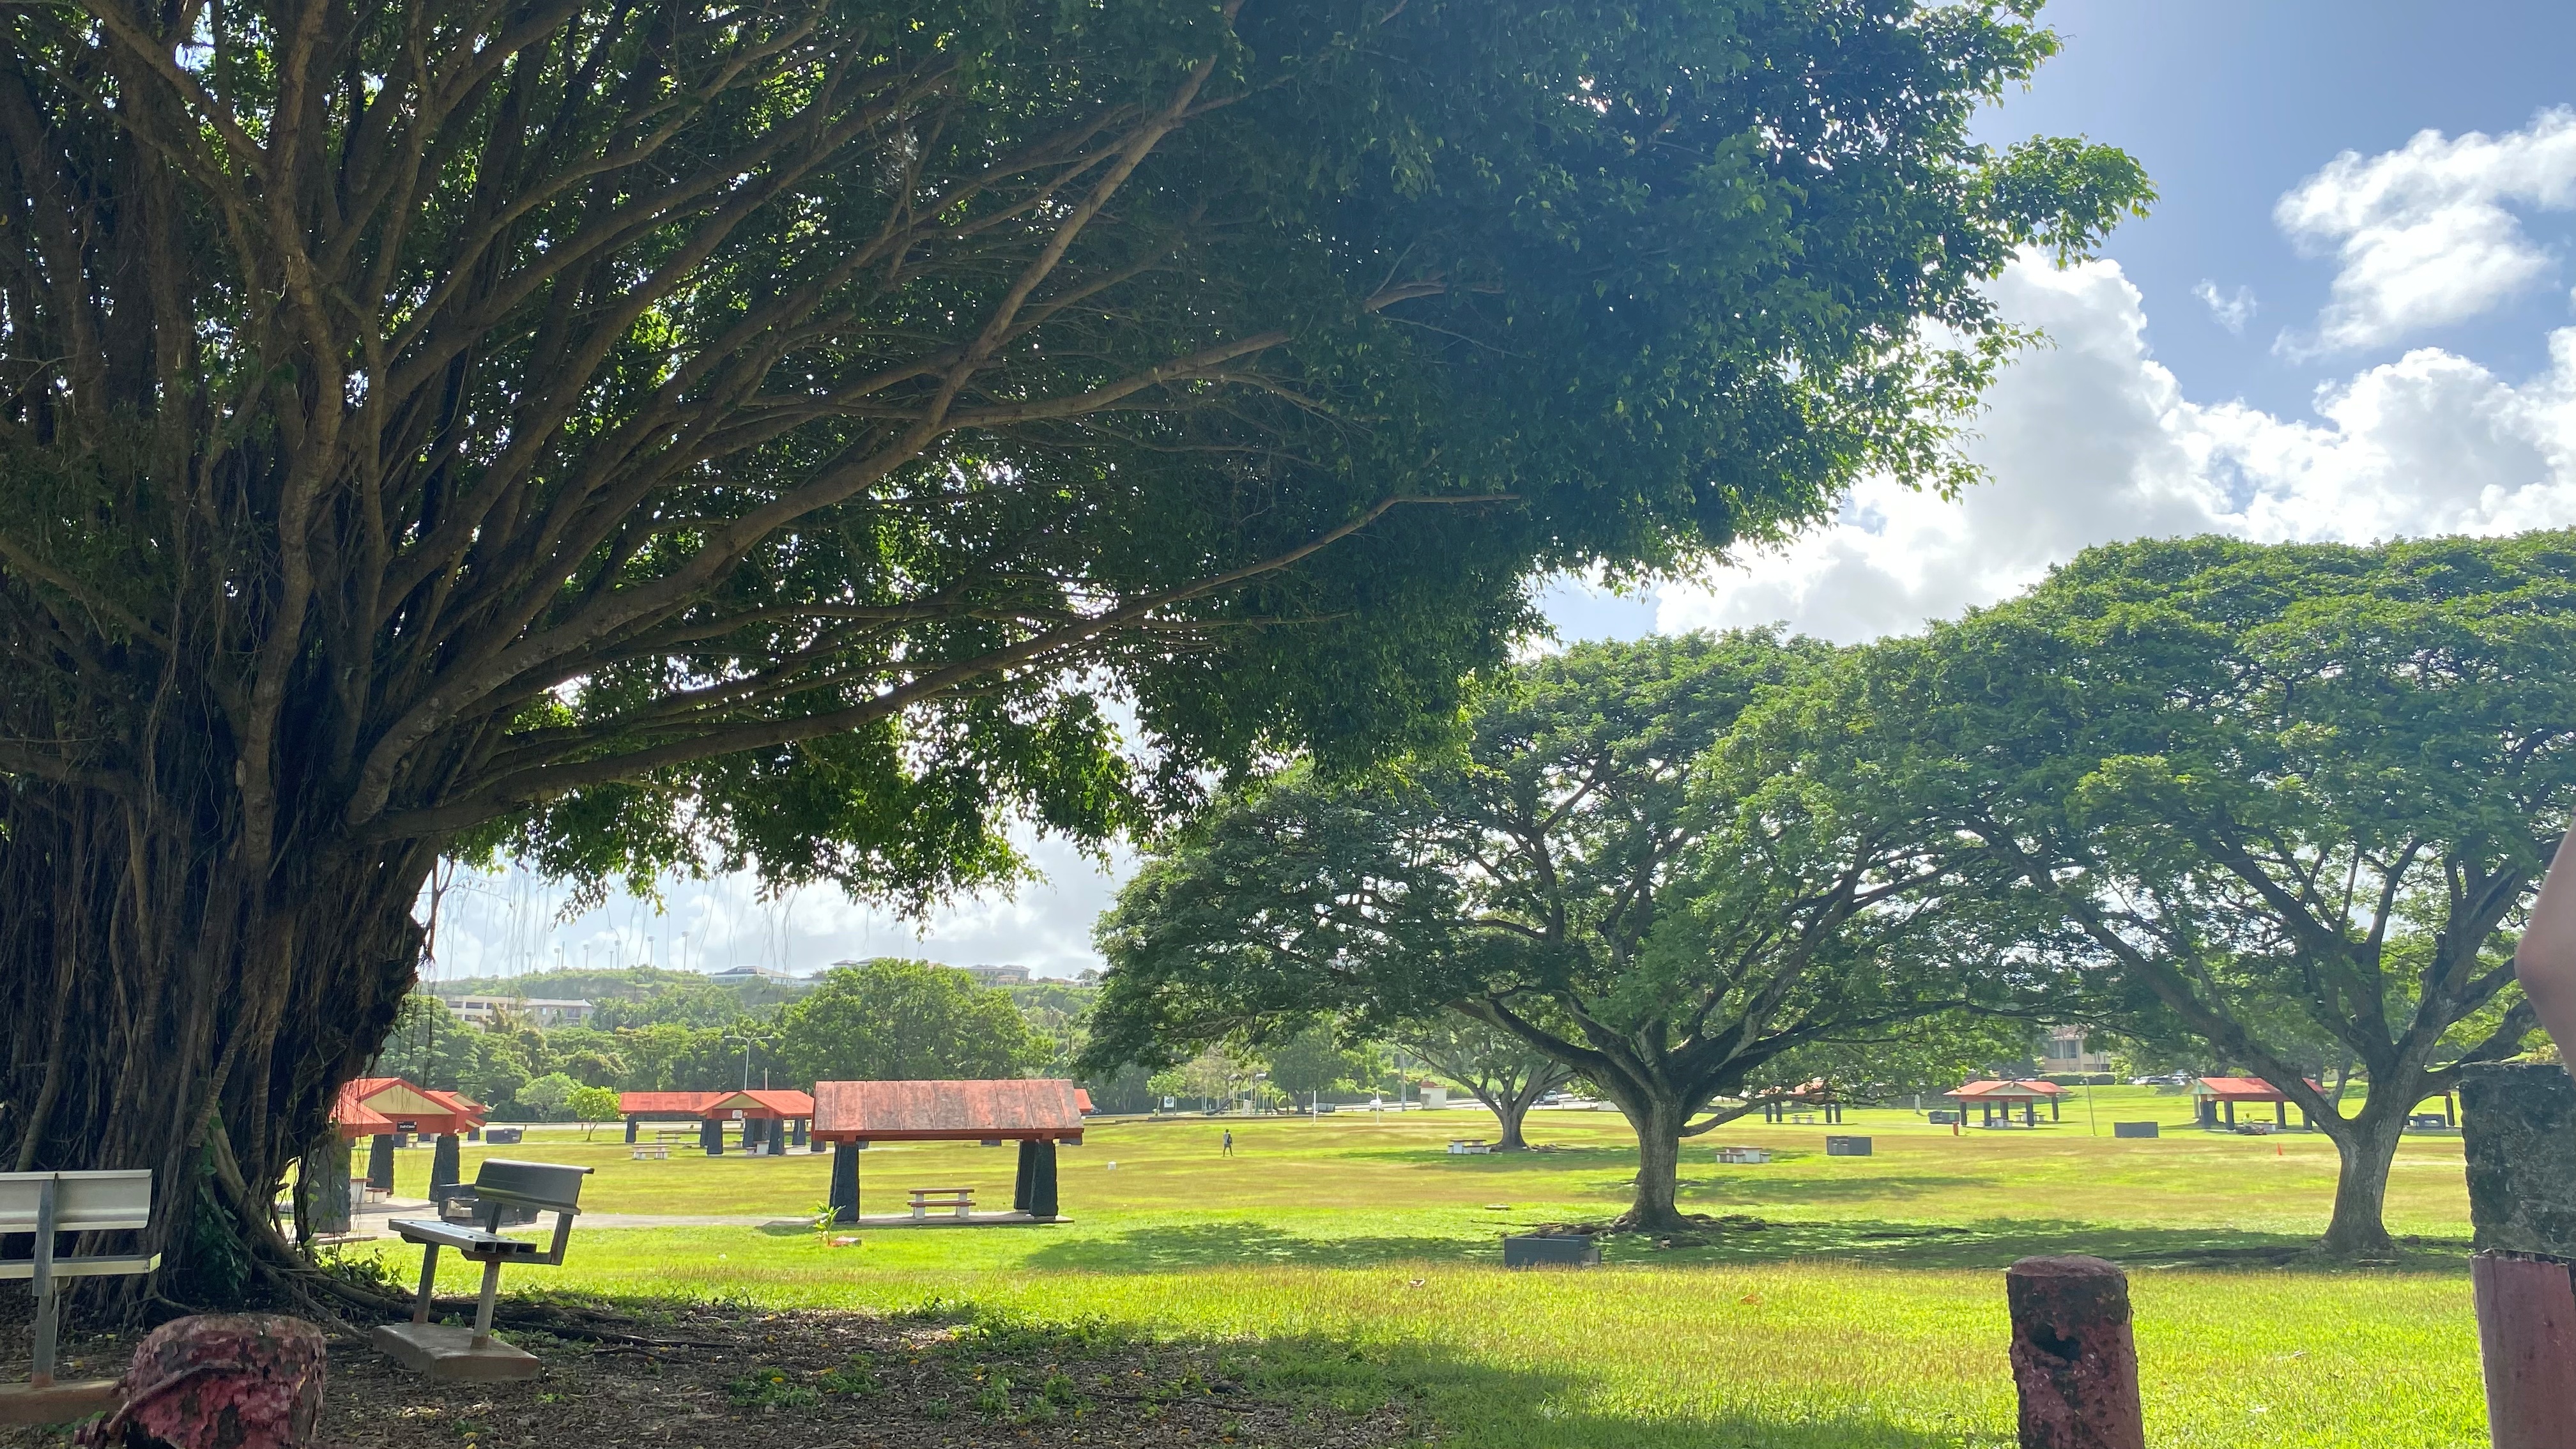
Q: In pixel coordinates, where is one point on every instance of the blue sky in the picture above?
(2350, 316)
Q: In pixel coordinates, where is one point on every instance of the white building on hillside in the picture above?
(533, 1010)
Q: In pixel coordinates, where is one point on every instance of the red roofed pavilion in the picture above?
(770, 1117)
(2215, 1097)
(1038, 1114)
(1991, 1095)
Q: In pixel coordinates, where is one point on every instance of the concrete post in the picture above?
(380, 1162)
(2074, 1359)
(630, 1129)
(845, 1182)
(711, 1136)
(1027, 1172)
(446, 1164)
(796, 1133)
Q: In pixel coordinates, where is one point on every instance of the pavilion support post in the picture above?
(2281, 1113)
(2052, 1110)
(1042, 1194)
(796, 1134)
(446, 1164)
(631, 1125)
(380, 1162)
(1020, 1185)
(2074, 1356)
(711, 1136)
(845, 1182)
(2231, 1113)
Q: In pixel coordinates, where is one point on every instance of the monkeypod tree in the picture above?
(632, 438)
(1499, 1069)
(2274, 797)
(1621, 868)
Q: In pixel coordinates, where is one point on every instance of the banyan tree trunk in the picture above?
(172, 1003)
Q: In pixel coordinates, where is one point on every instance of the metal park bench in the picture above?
(500, 1186)
(50, 1203)
(925, 1198)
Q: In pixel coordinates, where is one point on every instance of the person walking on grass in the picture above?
(1229, 1143)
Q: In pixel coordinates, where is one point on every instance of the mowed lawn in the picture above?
(1358, 1260)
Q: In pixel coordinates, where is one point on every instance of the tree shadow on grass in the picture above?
(1163, 1249)
(1997, 1242)
(1440, 1393)
(1989, 1244)
(1751, 1186)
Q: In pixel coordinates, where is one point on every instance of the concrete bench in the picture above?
(46, 1205)
(1472, 1147)
(658, 1151)
(501, 1186)
(1743, 1156)
(925, 1198)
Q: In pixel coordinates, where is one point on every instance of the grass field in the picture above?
(1359, 1260)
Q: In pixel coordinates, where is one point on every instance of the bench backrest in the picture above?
(84, 1202)
(545, 1186)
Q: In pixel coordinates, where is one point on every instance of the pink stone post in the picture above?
(2527, 1339)
(2074, 1361)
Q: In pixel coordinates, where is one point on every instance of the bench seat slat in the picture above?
(118, 1265)
(463, 1239)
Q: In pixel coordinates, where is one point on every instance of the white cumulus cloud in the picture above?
(2091, 440)
(2231, 310)
(2425, 235)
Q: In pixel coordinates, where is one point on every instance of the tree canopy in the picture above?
(686, 437)
(905, 1020)
(2291, 800)
(1653, 863)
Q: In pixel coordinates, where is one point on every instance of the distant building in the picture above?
(2066, 1052)
(745, 975)
(534, 1010)
(996, 975)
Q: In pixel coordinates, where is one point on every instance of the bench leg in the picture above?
(963, 1210)
(920, 1211)
(428, 1280)
(49, 1318)
(483, 1305)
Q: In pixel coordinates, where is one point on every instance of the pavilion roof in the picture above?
(1025, 1109)
(783, 1102)
(670, 1104)
(1995, 1091)
(2240, 1089)
(383, 1104)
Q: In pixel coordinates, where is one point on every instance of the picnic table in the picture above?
(660, 1151)
(962, 1199)
(1469, 1147)
(677, 1134)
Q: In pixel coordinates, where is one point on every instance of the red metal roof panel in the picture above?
(641, 1104)
(1042, 1109)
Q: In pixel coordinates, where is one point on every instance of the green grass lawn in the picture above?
(1360, 1260)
